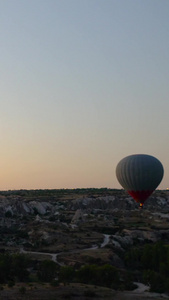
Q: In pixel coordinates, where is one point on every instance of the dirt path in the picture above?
(54, 256)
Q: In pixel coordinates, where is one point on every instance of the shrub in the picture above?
(22, 290)
(47, 270)
(11, 283)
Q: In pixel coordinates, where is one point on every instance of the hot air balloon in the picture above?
(139, 175)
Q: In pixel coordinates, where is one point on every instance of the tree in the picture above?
(105, 275)
(47, 270)
(19, 266)
(5, 267)
(155, 280)
(66, 274)
(108, 276)
(87, 274)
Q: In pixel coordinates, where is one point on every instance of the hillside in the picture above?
(85, 227)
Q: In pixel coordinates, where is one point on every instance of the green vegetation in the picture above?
(13, 267)
(105, 275)
(47, 270)
(22, 290)
(148, 263)
(152, 261)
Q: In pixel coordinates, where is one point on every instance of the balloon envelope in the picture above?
(139, 175)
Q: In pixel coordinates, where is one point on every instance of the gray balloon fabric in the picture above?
(139, 172)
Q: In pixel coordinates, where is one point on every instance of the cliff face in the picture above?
(23, 206)
(117, 215)
(121, 203)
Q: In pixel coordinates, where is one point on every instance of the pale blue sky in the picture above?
(83, 83)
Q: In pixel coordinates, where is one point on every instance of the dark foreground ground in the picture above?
(73, 292)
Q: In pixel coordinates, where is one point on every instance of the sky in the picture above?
(83, 83)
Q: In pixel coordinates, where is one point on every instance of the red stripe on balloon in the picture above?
(140, 196)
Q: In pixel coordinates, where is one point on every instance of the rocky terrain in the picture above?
(75, 218)
(83, 226)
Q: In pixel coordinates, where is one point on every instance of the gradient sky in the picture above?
(83, 83)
